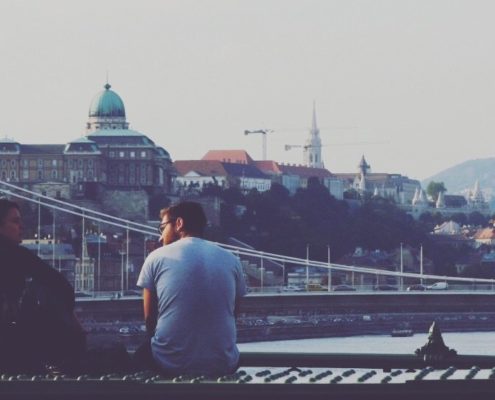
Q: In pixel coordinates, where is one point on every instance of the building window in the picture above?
(111, 154)
(54, 174)
(90, 173)
(54, 163)
(143, 174)
(121, 178)
(40, 163)
(143, 154)
(25, 163)
(12, 174)
(25, 174)
(40, 175)
(80, 163)
(12, 163)
(132, 174)
(132, 154)
(121, 154)
(90, 163)
(71, 163)
(4, 163)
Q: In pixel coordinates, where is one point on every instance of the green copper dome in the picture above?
(107, 103)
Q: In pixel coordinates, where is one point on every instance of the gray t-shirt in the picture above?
(197, 284)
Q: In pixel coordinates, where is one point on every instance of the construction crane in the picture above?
(263, 136)
(306, 146)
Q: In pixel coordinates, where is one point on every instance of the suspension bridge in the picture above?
(265, 272)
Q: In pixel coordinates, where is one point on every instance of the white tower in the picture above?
(312, 147)
(440, 201)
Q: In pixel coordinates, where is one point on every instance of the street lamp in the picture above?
(307, 267)
(421, 263)
(261, 271)
(329, 270)
(122, 252)
(401, 268)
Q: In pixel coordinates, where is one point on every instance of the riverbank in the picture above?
(269, 328)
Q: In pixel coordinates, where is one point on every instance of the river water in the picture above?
(480, 343)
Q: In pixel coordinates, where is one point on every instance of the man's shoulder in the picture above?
(220, 251)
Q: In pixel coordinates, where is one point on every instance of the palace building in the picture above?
(109, 158)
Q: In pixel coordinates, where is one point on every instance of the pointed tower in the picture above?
(363, 166)
(312, 147)
(476, 196)
(362, 184)
(440, 201)
(422, 198)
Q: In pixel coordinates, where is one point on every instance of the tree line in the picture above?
(275, 221)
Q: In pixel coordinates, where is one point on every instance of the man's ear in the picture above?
(179, 224)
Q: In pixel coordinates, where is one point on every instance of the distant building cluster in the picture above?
(235, 168)
(448, 205)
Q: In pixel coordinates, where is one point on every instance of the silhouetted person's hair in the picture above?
(192, 214)
(5, 206)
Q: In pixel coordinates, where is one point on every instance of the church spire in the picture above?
(314, 126)
(312, 147)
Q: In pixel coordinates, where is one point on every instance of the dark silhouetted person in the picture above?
(37, 322)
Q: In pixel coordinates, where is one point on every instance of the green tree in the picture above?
(434, 188)
(380, 224)
(477, 219)
(460, 218)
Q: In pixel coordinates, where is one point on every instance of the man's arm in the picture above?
(240, 288)
(150, 305)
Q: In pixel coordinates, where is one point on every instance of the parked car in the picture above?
(385, 287)
(343, 288)
(293, 289)
(438, 286)
(416, 287)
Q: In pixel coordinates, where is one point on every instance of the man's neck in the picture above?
(184, 235)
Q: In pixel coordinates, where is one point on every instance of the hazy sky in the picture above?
(416, 78)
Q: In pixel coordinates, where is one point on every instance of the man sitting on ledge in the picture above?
(191, 289)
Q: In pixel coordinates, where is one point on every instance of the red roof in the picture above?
(268, 167)
(230, 156)
(202, 167)
(486, 233)
(305, 172)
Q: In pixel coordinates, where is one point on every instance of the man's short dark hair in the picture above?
(5, 206)
(192, 214)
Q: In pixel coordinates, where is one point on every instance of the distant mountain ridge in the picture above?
(461, 178)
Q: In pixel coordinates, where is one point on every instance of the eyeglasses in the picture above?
(162, 226)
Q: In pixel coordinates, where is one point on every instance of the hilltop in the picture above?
(462, 177)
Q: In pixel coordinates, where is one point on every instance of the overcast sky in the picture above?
(413, 79)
